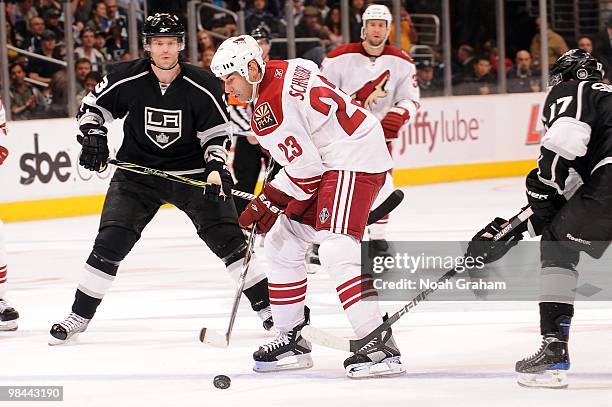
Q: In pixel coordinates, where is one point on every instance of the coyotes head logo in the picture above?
(369, 93)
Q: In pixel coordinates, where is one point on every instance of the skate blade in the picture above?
(374, 370)
(53, 341)
(549, 379)
(8, 325)
(296, 362)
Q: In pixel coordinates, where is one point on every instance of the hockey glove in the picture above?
(544, 201)
(264, 210)
(393, 121)
(483, 245)
(220, 179)
(94, 153)
(3, 154)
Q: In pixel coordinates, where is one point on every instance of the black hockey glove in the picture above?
(94, 153)
(483, 245)
(213, 191)
(544, 201)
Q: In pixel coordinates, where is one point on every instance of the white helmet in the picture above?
(376, 12)
(234, 55)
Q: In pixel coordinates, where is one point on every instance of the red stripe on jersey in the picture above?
(294, 284)
(349, 293)
(347, 283)
(3, 274)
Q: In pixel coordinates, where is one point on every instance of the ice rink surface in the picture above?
(142, 348)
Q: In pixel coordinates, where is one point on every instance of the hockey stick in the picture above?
(210, 336)
(139, 169)
(376, 214)
(328, 340)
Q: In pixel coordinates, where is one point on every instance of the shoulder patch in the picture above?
(263, 117)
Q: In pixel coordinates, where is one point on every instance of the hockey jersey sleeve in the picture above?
(568, 115)
(407, 95)
(333, 70)
(214, 128)
(105, 103)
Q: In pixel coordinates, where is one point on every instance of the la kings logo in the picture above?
(163, 127)
(263, 117)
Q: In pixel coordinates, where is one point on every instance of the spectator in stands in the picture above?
(298, 9)
(22, 14)
(356, 9)
(523, 77)
(114, 15)
(33, 38)
(52, 22)
(257, 15)
(116, 45)
(481, 81)
(310, 26)
(321, 6)
(45, 5)
(25, 99)
(206, 58)
(490, 51)
(87, 50)
(408, 33)
(42, 70)
(225, 26)
(99, 20)
(428, 84)
(205, 41)
(585, 43)
(332, 22)
(464, 63)
(57, 96)
(11, 39)
(556, 45)
(91, 80)
(82, 69)
(100, 44)
(82, 10)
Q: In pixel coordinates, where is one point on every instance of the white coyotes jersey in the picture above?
(309, 126)
(377, 83)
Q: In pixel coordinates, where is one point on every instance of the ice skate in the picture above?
(548, 367)
(378, 358)
(8, 316)
(68, 329)
(288, 351)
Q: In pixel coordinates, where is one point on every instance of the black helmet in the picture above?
(260, 33)
(163, 25)
(576, 64)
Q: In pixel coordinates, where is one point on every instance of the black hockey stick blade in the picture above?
(323, 338)
(386, 207)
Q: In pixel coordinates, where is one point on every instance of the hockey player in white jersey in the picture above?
(8, 315)
(335, 161)
(386, 85)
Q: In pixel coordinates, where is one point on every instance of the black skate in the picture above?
(266, 316)
(68, 329)
(288, 351)
(378, 358)
(313, 263)
(548, 366)
(8, 316)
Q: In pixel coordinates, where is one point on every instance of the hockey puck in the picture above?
(222, 382)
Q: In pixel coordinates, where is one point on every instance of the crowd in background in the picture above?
(39, 87)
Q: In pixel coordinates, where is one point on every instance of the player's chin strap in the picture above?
(164, 69)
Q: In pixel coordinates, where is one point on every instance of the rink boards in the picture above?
(450, 139)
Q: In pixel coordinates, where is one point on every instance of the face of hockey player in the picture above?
(165, 51)
(375, 32)
(237, 86)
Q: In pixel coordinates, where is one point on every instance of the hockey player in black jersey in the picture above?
(570, 193)
(176, 121)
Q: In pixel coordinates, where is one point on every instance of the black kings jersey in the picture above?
(578, 119)
(169, 131)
